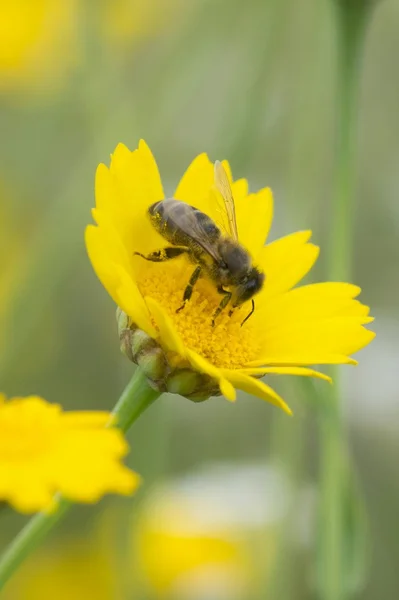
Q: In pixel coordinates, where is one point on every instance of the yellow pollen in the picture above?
(227, 344)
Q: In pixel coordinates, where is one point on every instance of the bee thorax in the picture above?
(236, 259)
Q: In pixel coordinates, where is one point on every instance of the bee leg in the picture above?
(250, 313)
(164, 254)
(189, 289)
(225, 300)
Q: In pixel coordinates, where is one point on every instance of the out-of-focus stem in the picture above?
(351, 17)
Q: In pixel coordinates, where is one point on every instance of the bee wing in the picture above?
(187, 222)
(223, 186)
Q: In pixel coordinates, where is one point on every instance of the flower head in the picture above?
(77, 566)
(291, 328)
(37, 43)
(124, 22)
(221, 521)
(44, 450)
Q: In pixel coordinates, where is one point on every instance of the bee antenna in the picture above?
(250, 313)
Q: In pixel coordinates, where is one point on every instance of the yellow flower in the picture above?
(291, 328)
(37, 42)
(44, 450)
(72, 567)
(213, 530)
(131, 21)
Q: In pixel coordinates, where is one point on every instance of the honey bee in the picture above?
(218, 257)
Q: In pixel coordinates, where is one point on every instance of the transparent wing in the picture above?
(223, 186)
(188, 223)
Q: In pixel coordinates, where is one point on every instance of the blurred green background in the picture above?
(228, 506)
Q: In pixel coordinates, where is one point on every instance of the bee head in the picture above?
(250, 285)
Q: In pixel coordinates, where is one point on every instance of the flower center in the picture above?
(226, 344)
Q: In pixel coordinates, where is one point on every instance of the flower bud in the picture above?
(165, 372)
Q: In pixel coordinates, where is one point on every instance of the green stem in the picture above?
(135, 399)
(270, 20)
(287, 448)
(29, 538)
(351, 20)
(351, 24)
(331, 578)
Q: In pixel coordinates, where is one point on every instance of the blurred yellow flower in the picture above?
(127, 21)
(44, 450)
(210, 534)
(37, 43)
(77, 567)
(171, 557)
(290, 329)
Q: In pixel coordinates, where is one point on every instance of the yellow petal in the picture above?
(132, 302)
(329, 289)
(286, 371)
(321, 339)
(255, 387)
(137, 175)
(227, 389)
(116, 280)
(195, 185)
(239, 189)
(285, 262)
(31, 496)
(203, 366)
(311, 303)
(86, 486)
(126, 191)
(107, 242)
(105, 190)
(254, 219)
(305, 359)
(167, 332)
(325, 317)
(92, 419)
(115, 209)
(102, 264)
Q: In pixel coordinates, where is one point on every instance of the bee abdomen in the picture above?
(179, 222)
(159, 217)
(206, 223)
